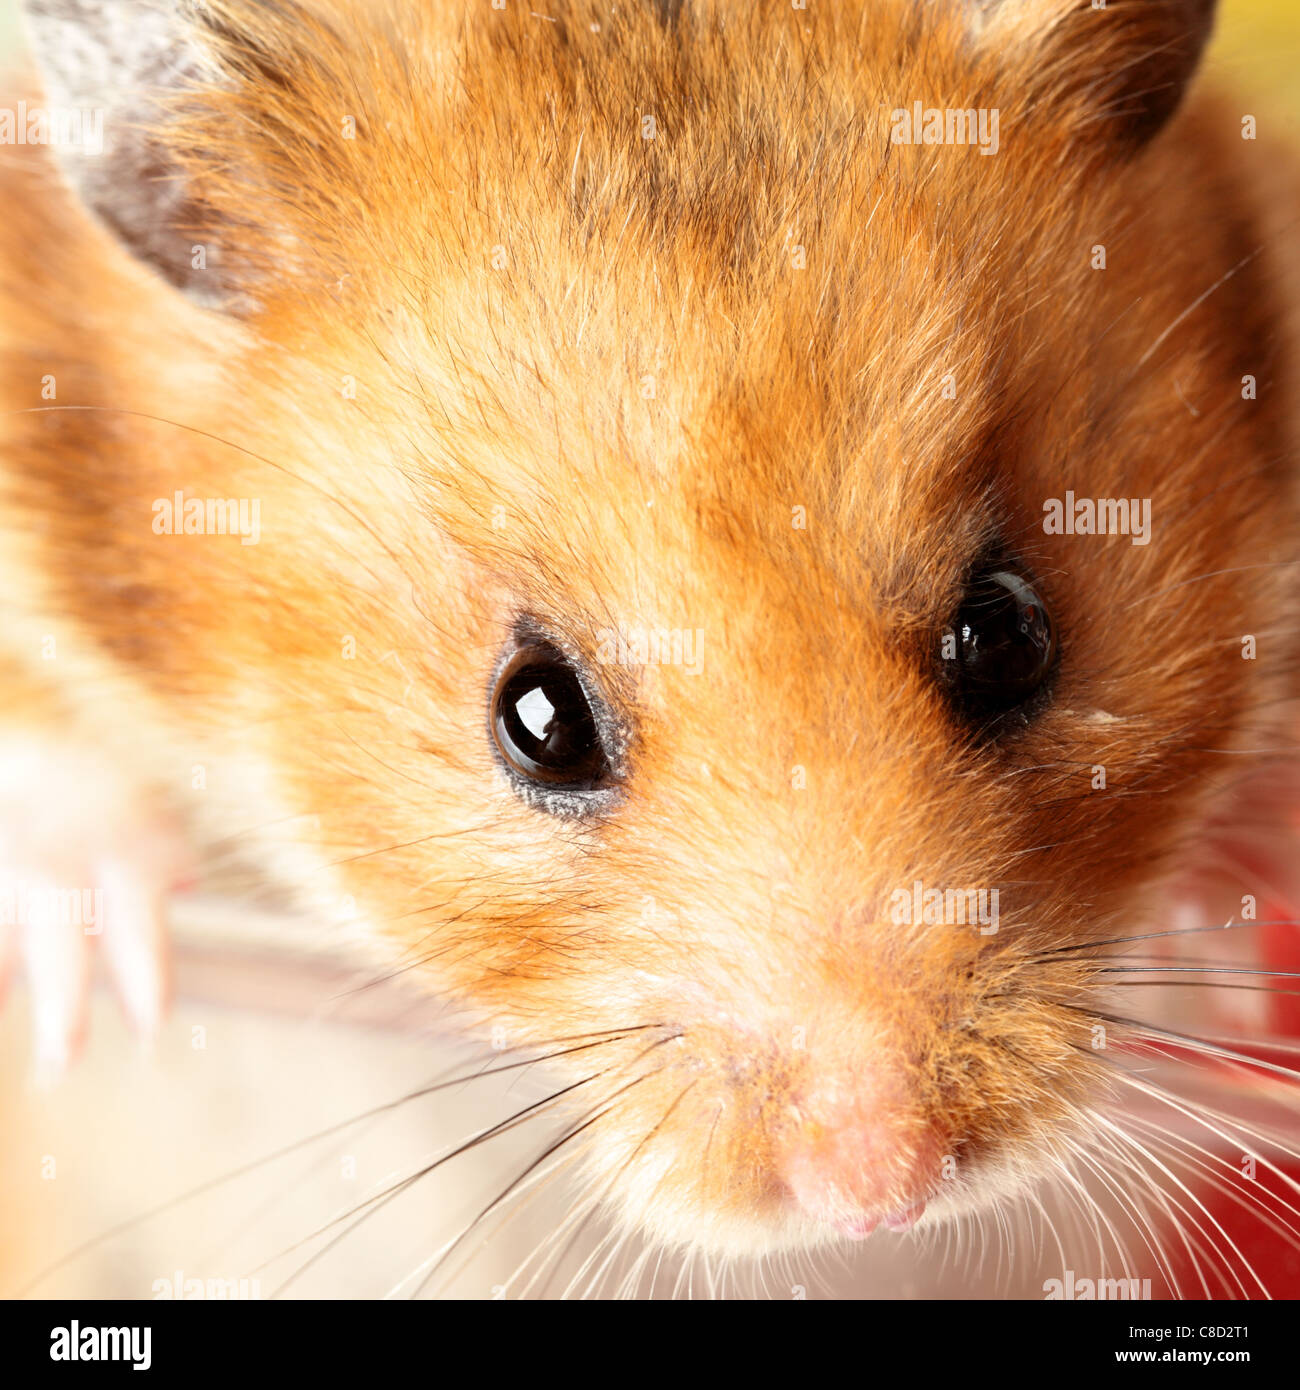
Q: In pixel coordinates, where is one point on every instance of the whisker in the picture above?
(1193, 1241)
(1182, 1187)
(613, 1182)
(352, 515)
(1129, 1205)
(1075, 946)
(1195, 970)
(1202, 1045)
(1277, 1224)
(1202, 984)
(435, 1261)
(244, 1170)
(497, 1201)
(369, 1206)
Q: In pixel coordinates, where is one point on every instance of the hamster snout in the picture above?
(858, 1148)
(838, 1172)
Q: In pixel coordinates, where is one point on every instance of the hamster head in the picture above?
(673, 623)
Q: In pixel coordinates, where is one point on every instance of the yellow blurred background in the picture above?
(1258, 48)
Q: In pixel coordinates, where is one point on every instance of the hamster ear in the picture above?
(1118, 67)
(122, 69)
(115, 64)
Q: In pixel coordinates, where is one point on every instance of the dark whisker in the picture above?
(212, 1184)
(366, 1208)
(1203, 984)
(239, 448)
(370, 1205)
(557, 1260)
(1188, 1040)
(513, 1186)
(1151, 936)
(1195, 970)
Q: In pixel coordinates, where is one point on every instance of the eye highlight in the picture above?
(542, 722)
(1001, 645)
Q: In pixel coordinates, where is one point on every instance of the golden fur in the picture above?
(499, 261)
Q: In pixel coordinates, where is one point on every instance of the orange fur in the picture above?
(501, 458)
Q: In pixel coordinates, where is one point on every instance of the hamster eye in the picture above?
(542, 723)
(1001, 646)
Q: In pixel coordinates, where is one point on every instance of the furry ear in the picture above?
(1117, 66)
(140, 74)
(114, 64)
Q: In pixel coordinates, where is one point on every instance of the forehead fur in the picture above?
(527, 237)
(615, 297)
(582, 266)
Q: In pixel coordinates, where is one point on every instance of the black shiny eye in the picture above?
(1001, 646)
(543, 724)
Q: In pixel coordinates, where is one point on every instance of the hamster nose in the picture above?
(856, 1164)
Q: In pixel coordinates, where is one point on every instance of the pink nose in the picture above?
(855, 1164)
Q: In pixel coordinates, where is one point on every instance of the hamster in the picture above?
(744, 546)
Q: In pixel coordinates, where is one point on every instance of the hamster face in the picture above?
(657, 599)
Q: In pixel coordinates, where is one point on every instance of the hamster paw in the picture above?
(87, 862)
